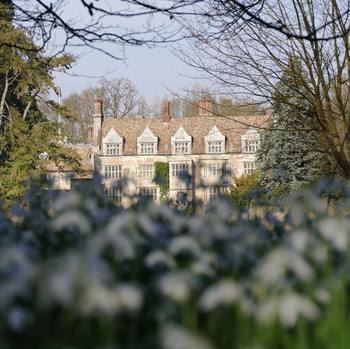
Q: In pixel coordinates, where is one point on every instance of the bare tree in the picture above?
(107, 21)
(120, 97)
(249, 62)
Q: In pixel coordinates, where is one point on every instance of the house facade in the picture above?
(204, 153)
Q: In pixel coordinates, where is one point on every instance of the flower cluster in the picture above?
(75, 273)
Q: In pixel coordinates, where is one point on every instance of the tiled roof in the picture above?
(198, 127)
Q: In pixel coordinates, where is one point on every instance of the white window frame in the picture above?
(147, 148)
(180, 169)
(249, 167)
(212, 192)
(151, 192)
(113, 149)
(114, 195)
(182, 147)
(112, 171)
(146, 171)
(214, 169)
(251, 145)
(215, 147)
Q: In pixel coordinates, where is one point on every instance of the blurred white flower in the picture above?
(293, 305)
(177, 285)
(158, 257)
(287, 308)
(71, 219)
(66, 201)
(299, 240)
(322, 295)
(336, 230)
(98, 298)
(281, 260)
(147, 224)
(176, 337)
(224, 292)
(184, 244)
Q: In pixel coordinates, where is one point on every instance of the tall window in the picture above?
(182, 147)
(114, 195)
(147, 148)
(251, 146)
(113, 149)
(113, 171)
(216, 169)
(215, 147)
(146, 171)
(212, 192)
(248, 167)
(150, 192)
(178, 170)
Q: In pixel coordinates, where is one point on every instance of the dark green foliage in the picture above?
(161, 178)
(244, 188)
(26, 136)
(292, 152)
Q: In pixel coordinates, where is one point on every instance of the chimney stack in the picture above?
(205, 107)
(97, 107)
(97, 123)
(166, 111)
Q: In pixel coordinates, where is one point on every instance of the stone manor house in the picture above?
(204, 153)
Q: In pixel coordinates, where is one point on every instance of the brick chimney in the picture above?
(97, 107)
(98, 119)
(166, 111)
(205, 107)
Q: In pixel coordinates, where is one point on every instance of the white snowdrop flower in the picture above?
(176, 337)
(130, 296)
(300, 266)
(108, 301)
(224, 292)
(336, 230)
(176, 285)
(201, 267)
(320, 253)
(299, 240)
(115, 235)
(66, 201)
(293, 305)
(59, 284)
(98, 299)
(279, 261)
(158, 257)
(147, 225)
(266, 311)
(71, 219)
(322, 295)
(184, 244)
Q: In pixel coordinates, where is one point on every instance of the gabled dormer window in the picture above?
(250, 141)
(112, 143)
(215, 142)
(113, 149)
(147, 142)
(181, 142)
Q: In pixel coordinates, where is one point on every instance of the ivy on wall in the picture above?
(161, 178)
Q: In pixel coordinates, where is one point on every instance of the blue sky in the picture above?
(152, 71)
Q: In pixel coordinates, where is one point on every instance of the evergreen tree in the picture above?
(25, 134)
(291, 152)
